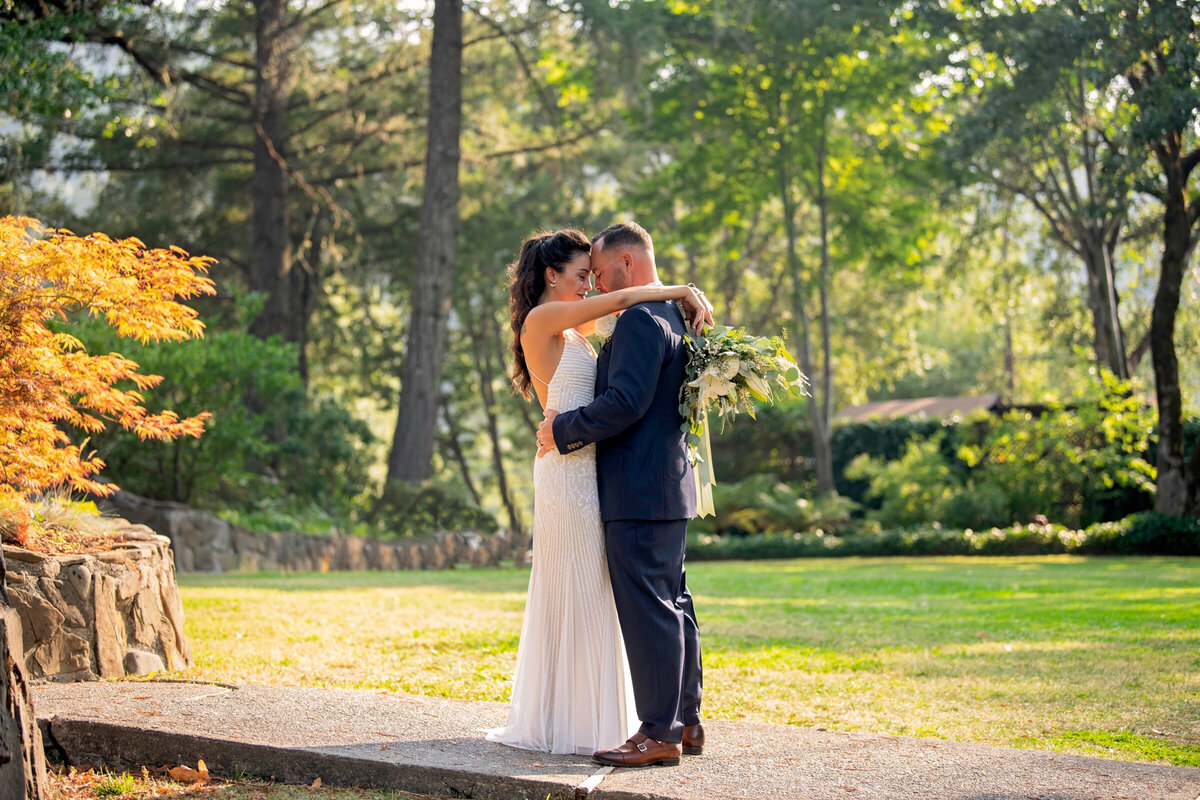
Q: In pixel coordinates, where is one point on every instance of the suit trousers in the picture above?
(658, 622)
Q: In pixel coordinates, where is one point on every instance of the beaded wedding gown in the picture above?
(571, 690)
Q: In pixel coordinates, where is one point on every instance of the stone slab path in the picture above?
(434, 746)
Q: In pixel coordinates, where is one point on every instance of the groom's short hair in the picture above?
(624, 234)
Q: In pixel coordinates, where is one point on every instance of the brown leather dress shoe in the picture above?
(693, 740)
(640, 751)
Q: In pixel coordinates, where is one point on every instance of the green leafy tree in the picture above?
(1142, 59)
(1047, 129)
(804, 114)
(276, 109)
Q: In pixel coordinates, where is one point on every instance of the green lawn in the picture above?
(1091, 655)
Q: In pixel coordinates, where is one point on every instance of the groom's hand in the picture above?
(545, 434)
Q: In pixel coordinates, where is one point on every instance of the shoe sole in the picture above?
(666, 762)
(693, 750)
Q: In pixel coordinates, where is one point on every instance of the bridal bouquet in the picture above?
(729, 371)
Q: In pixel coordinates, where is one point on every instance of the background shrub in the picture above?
(1075, 465)
(266, 447)
(911, 489)
(413, 508)
(762, 503)
(1147, 533)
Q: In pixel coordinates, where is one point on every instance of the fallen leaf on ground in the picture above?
(184, 774)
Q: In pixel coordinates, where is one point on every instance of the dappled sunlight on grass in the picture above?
(416, 635)
(1013, 651)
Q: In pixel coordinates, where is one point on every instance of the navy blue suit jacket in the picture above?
(641, 453)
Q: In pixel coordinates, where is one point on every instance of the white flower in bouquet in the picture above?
(730, 367)
(756, 384)
(605, 326)
(712, 384)
(730, 371)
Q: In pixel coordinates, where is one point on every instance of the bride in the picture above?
(571, 690)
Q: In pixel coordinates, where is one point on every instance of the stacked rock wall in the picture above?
(105, 614)
(22, 757)
(204, 542)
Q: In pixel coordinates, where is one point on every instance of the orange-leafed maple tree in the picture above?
(46, 376)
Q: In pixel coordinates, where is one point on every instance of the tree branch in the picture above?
(300, 19)
(1060, 232)
(383, 169)
(198, 144)
(200, 164)
(584, 134)
(233, 62)
(1189, 163)
(156, 70)
(344, 91)
(161, 72)
(1139, 352)
(549, 107)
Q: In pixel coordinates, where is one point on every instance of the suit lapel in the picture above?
(602, 367)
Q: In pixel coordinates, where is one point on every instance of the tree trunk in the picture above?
(22, 760)
(307, 276)
(824, 284)
(1010, 363)
(1010, 356)
(1172, 481)
(822, 450)
(411, 457)
(484, 371)
(1108, 339)
(271, 268)
(1193, 481)
(452, 441)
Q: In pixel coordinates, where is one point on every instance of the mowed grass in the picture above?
(1091, 655)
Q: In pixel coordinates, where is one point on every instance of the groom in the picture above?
(647, 495)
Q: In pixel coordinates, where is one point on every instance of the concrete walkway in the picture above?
(428, 745)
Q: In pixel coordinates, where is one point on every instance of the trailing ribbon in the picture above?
(702, 471)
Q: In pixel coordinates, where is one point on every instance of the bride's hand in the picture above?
(697, 310)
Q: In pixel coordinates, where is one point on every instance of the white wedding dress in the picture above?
(571, 690)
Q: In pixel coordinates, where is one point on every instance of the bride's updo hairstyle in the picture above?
(527, 281)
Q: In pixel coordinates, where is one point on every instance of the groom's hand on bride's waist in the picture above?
(545, 433)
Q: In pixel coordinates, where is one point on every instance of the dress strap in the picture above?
(530, 369)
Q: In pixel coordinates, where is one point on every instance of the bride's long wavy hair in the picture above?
(527, 281)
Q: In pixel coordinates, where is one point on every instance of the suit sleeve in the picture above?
(638, 347)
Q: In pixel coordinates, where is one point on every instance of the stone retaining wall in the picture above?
(104, 614)
(204, 542)
(22, 755)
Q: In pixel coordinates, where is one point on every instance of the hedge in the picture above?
(1146, 533)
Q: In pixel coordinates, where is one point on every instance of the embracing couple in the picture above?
(608, 617)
